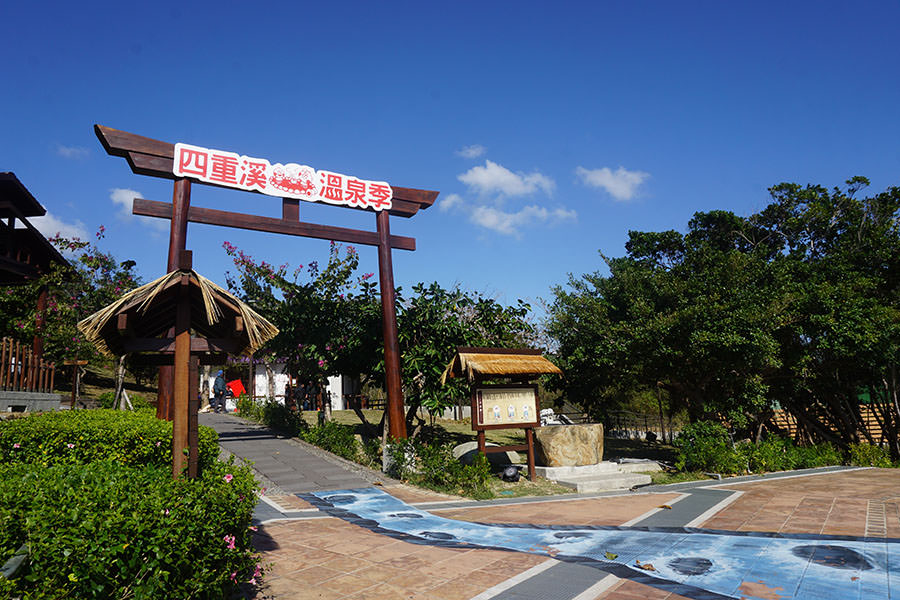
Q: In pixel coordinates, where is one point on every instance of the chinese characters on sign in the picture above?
(285, 181)
(508, 406)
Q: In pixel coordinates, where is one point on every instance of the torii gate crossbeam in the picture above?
(155, 158)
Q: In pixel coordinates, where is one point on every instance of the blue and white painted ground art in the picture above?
(697, 563)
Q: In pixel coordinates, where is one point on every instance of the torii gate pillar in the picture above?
(396, 414)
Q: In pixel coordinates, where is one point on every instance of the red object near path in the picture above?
(236, 387)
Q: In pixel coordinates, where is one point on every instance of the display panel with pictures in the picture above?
(505, 406)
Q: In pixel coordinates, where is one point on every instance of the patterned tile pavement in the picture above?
(834, 504)
(330, 559)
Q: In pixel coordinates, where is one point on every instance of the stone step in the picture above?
(603, 483)
(553, 473)
(640, 467)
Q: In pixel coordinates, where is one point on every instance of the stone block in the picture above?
(569, 445)
(28, 401)
(466, 453)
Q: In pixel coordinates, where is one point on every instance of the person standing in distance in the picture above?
(219, 393)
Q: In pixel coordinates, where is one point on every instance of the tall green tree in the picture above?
(795, 306)
(434, 322)
(331, 324)
(328, 317)
(840, 353)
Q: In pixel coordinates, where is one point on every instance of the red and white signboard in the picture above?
(285, 181)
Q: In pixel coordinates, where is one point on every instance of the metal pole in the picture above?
(396, 414)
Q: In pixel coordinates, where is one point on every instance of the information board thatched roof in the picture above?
(145, 315)
(498, 362)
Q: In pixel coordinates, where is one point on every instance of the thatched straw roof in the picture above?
(149, 312)
(498, 362)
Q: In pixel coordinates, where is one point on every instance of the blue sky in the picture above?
(549, 130)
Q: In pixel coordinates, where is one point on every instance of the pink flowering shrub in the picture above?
(166, 538)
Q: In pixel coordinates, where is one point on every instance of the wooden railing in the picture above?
(787, 423)
(22, 371)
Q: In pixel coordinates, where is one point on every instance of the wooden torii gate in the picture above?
(155, 158)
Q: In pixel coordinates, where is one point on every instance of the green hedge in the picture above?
(83, 436)
(706, 446)
(334, 437)
(433, 466)
(108, 530)
(272, 414)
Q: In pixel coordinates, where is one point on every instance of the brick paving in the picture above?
(834, 504)
(326, 558)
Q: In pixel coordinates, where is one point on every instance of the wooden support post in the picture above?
(290, 209)
(396, 414)
(193, 407)
(37, 347)
(529, 440)
(74, 383)
(180, 439)
(181, 204)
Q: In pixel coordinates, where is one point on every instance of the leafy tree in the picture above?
(843, 253)
(686, 313)
(328, 325)
(796, 305)
(331, 324)
(434, 322)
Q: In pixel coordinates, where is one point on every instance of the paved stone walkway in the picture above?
(285, 466)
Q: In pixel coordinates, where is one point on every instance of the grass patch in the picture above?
(524, 487)
(664, 478)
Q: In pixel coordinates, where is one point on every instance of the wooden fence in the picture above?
(787, 423)
(22, 371)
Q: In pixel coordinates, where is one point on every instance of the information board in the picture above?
(505, 406)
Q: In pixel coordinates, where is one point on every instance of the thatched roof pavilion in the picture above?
(487, 363)
(140, 320)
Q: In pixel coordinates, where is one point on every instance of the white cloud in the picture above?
(621, 184)
(50, 225)
(494, 178)
(510, 223)
(124, 198)
(473, 151)
(451, 201)
(72, 152)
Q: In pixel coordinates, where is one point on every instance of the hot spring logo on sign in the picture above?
(284, 181)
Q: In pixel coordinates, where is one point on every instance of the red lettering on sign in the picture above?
(332, 186)
(192, 162)
(254, 174)
(379, 195)
(223, 169)
(355, 194)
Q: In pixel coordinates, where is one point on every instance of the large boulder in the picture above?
(568, 445)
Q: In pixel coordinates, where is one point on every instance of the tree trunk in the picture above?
(120, 384)
(326, 400)
(204, 387)
(270, 383)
